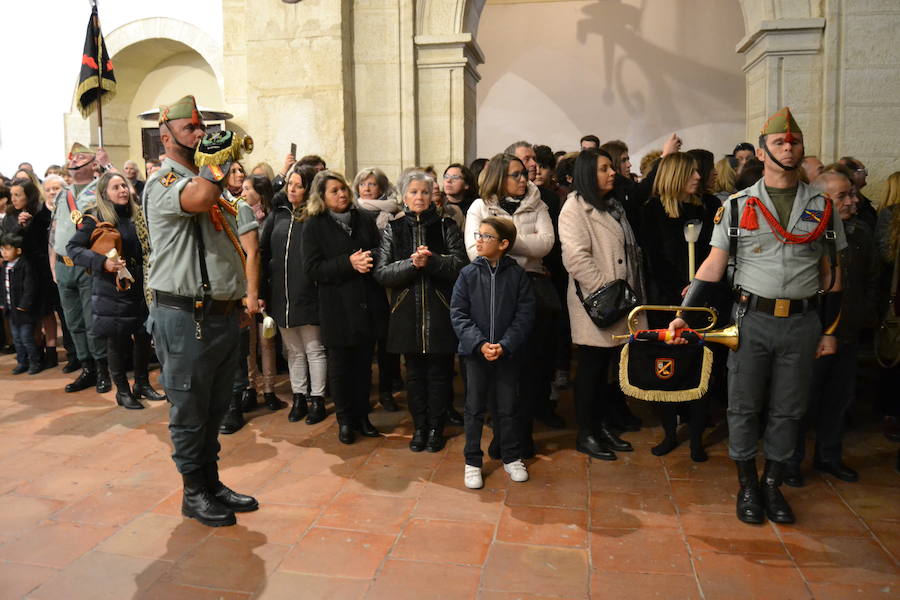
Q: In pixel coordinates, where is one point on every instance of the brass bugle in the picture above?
(713, 316)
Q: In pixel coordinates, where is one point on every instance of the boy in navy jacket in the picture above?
(492, 310)
(17, 294)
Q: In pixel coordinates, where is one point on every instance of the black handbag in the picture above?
(608, 304)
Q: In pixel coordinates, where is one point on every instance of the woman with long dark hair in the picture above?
(119, 305)
(598, 247)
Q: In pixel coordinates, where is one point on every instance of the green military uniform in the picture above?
(777, 312)
(73, 281)
(198, 352)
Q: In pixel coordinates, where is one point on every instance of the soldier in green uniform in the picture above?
(197, 281)
(73, 281)
(787, 309)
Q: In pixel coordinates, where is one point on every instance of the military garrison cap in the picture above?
(185, 108)
(782, 121)
(79, 148)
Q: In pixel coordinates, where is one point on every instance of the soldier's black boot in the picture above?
(199, 503)
(224, 494)
(777, 508)
(234, 417)
(298, 408)
(316, 410)
(85, 379)
(749, 498)
(104, 384)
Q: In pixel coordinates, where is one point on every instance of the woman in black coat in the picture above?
(119, 307)
(676, 201)
(420, 258)
(291, 297)
(339, 247)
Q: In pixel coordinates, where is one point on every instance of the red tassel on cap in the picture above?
(195, 117)
(748, 218)
(790, 138)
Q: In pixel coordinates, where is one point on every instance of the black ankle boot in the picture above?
(586, 443)
(104, 384)
(143, 389)
(298, 408)
(51, 359)
(225, 495)
(388, 402)
(125, 398)
(777, 508)
(419, 440)
(234, 418)
(607, 438)
(365, 427)
(345, 431)
(273, 403)
(453, 416)
(749, 498)
(85, 379)
(316, 410)
(248, 400)
(199, 503)
(435, 441)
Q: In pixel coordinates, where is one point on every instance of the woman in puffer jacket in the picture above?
(506, 192)
(421, 255)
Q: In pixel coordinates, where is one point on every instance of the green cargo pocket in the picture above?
(177, 380)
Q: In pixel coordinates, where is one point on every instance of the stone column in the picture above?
(446, 79)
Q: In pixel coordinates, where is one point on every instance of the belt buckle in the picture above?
(68, 261)
(782, 307)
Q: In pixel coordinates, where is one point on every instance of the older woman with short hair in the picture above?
(340, 244)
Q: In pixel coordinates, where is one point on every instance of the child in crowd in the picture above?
(492, 310)
(17, 285)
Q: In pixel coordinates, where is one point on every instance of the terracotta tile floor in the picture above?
(91, 510)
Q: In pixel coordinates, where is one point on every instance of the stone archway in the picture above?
(139, 50)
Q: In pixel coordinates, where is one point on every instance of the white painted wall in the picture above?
(635, 70)
(42, 56)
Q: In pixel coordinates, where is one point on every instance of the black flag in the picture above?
(97, 80)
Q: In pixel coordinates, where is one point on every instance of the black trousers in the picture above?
(388, 367)
(695, 412)
(117, 348)
(350, 377)
(593, 392)
(492, 384)
(429, 388)
(538, 370)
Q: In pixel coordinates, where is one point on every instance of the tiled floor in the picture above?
(91, 507)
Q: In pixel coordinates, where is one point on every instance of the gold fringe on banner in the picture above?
(91, 83)
(662, 395)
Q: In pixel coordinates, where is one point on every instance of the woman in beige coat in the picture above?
(598, 247)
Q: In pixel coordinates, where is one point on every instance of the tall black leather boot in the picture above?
(234, 417)
(199, 503)
(104, 384)
(298, 408)
(224, 494)
(85, 379)
(316, 410)
(777, 508)
(749, 498)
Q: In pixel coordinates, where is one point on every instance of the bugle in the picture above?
(727, 336)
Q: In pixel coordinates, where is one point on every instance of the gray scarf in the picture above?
(343, 219)
(632, 250)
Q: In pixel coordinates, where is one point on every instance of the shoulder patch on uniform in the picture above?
(814, 216)
(169, 178)
(719, 212)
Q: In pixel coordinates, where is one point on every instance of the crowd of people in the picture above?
(479, 271)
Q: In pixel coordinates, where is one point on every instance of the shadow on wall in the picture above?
(635, 70)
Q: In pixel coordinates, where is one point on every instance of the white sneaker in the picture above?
(517, 471)
(473, 478)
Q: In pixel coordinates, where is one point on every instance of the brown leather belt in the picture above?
(779, 307)
(186, 303)
(65, 260)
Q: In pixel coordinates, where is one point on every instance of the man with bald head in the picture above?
(813, 167)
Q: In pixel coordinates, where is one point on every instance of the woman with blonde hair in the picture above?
(119, 306)
(675, 203)
(725, 178)
(339, 241)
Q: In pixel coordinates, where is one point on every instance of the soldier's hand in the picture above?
(113, 265)
(827, 345)
(361, 260)
(677, 323)
(102, 157)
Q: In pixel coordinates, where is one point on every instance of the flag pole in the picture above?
(96, 18)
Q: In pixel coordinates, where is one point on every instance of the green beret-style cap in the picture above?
(185, 108)
(79, 148)
(781, 121)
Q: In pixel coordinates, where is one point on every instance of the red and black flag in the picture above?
(97, 80)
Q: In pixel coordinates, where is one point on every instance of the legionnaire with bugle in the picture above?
(783, 238)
